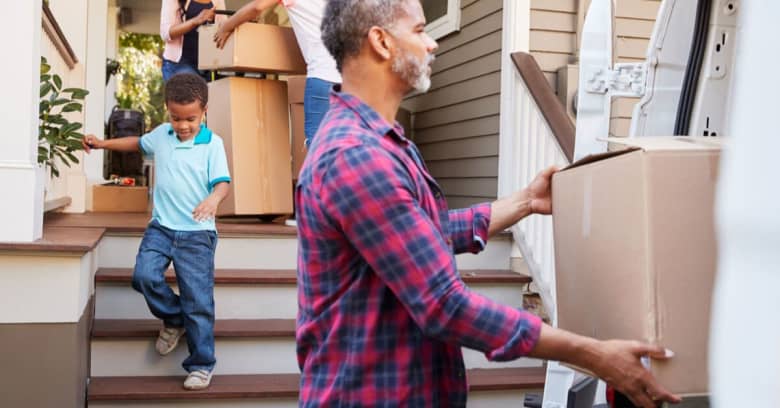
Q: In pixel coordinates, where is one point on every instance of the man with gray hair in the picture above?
(383, 312)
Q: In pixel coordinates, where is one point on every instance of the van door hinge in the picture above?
(625, 80)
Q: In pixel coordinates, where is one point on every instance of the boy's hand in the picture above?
(90, 142)
(206, 210)
(221, 36)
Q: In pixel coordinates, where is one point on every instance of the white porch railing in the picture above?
(538, 123)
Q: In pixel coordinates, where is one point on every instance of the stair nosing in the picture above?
(289, 276)
(480, 379)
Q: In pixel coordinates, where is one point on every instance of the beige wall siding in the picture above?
(553, 35)
(456, 124)
(634, 20)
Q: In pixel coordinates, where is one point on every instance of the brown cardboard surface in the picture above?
(119, 199)
(296, 88)
(635, 254)
(252, 48)
(251, 117)
(298, 138)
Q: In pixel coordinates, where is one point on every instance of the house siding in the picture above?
(634, 20)
(456, 123)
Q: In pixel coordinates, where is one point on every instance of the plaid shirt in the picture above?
(382, 309)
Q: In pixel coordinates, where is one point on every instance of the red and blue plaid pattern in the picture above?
(383, 311)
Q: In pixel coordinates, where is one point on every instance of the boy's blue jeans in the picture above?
(192, 254)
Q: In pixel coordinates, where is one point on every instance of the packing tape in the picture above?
(587, 204)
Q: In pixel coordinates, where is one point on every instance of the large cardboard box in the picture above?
(109, 198)
(252, 48)
(296, 87)
(635, 250)
(251, 117)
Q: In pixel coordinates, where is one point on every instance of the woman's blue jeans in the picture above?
(316, 102)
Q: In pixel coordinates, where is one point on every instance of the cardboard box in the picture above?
(296, 88)
(251, 117)
(120, 199)
(252, 48)
(635, 250)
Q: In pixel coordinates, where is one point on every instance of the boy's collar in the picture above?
(203, 137)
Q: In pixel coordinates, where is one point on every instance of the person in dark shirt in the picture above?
(179, 22)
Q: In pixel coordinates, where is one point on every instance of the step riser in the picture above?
(277, 253)
(231, 302)
(137, 357)
(117, 301)
(487, 399)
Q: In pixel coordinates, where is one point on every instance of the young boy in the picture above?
(192, 179)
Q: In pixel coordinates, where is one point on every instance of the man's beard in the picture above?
(412, 70)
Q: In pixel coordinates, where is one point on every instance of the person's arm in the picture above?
(248, 12)
(121, 144)
(184, 27)
(617, 362)
(207, 209)
(534, 199)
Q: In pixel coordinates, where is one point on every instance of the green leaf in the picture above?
(59, 101)
(45, 68)
(57, 81)
(45, 77)
(72, 107)
(45, 89)
(76, 93)
(72, 157)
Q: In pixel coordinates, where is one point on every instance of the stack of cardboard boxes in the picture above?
(252, 115)
(635, 250)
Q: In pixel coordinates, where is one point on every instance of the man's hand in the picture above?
(540, 192)
(619, 364)
(221, 36)
(90, 142)
(206, 210)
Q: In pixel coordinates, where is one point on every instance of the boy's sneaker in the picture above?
(290, 222)
(198, 380)
(168, 339)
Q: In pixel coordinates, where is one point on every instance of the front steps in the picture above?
(256, 303)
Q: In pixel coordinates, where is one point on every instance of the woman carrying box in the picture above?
(321, 75)
(179, 22)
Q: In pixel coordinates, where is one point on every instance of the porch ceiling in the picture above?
(144, 15)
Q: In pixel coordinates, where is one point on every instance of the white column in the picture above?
(94, 113)
(21, 215)
(745, 332)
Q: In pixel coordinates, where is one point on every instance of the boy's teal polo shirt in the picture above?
(185, 174)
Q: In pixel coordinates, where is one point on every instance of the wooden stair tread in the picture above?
(62, 240)
(288, 276)
(223, 328)
(136, 223)
(278, 385)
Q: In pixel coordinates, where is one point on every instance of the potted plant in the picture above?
(58, 137)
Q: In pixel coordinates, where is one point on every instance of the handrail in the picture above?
(553, 111)
(53, 30)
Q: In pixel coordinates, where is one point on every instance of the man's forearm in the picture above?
(248, 12)
(508, 211)
(559, 345)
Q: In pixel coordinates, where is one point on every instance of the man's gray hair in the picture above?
(346, 23)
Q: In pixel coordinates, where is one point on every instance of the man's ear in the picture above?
(381, 42)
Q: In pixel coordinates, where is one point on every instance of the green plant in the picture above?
(139, 81)
(58, 137)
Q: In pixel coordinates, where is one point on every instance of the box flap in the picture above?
(598, 157)
(665, 143)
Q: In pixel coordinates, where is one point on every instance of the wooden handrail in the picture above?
(53, 30)
(552, 109)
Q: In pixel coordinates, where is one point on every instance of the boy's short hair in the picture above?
(186, 88)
